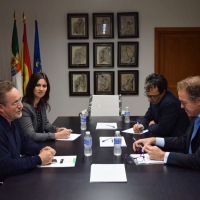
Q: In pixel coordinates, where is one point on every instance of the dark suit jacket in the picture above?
(172, 119)
(14, 143)
(28, 123)
(182, 144)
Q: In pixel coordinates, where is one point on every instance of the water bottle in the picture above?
(127, 115)
(83, 121)
(117, 144)
(87, 144)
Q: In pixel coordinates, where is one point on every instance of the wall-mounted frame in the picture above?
(128, 82)
(128, 54)
(79, 83)
(77, 26)
(104, 82)
(103, 25)
(78, 55)
(103, 54)
(128, 25)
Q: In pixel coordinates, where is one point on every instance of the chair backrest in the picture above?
(105, 105)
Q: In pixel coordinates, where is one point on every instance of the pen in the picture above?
(106, 139)
(110, 125)
(139, 144)
(141, 129)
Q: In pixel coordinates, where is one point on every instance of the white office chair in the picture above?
(105, 105)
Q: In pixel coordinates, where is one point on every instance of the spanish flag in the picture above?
(15, 60)
(26, 63)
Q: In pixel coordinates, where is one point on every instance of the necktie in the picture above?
(196, 126)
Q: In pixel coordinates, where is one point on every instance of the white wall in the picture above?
(52, 24)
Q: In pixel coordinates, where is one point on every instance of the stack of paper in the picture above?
(130, 130)
(146, 160)
(108, 173)
(110, 126)
(62, 161)
(72, 137)
(109, 142)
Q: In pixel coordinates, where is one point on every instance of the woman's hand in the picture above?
(63, 133)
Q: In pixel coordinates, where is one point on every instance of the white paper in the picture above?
(68, 161)
(108, 173)
(72, 137)
(110, 126)
(146, 160)
(109, 142)
(130, 130)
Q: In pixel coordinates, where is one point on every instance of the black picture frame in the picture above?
(78, 55)
(104, 82)
(77, 26)
(128, 54)
(103, 54)
(79, 83)
(103, 25)
(128, 82)
(128, 25)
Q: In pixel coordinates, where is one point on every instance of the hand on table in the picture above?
(144, 142)
(45, 156)
(138, 128)
(63, 133)
(154, 152)
(48, 148)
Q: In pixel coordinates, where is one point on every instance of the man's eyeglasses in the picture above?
(152, 97)
(17, 102)
(130, 159)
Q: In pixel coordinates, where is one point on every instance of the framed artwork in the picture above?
(128, 82)
(78, 55)
(128, 54)
(103, 54)
(128, 26)
(103, 25)
(79, 83)
(77, 26)
(104, 82)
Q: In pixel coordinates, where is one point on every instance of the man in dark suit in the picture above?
(13, 142)
(189, 143)
(164, 117)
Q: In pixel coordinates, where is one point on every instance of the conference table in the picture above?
(154, 182)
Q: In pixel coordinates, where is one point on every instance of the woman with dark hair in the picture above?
(34, 120)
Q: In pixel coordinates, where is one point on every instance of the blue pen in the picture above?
(106, 139)
(110, 126)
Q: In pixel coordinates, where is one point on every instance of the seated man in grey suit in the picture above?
(189, 143)
(164, 117)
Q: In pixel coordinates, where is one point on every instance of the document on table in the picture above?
(62, 161)
(130, 130)
(146, 160)
(72, 137)
(108, 173)
(109, 142)
(110, 126)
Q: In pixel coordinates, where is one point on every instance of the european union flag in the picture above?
(37, 67)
